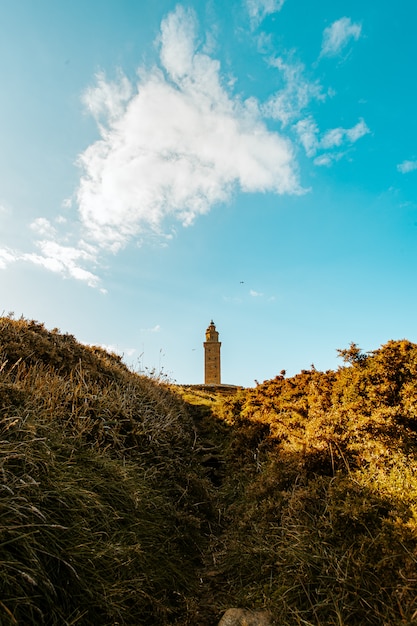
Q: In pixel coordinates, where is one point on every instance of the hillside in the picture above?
(127, 501)
(104, 511)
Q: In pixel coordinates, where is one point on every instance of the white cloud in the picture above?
(357, 131)
(114, 349)
(174, 145)
(154, 329)
(290, 104)
(107, 99)
(43, 227)
(309, 137)
(337, 35)
(323, 159)
(407, 166)
(178, 47)
(328, 158)
(178, 141)
(255, 294)
(64, 260)
(308, 132)
(6, 257)
(332, 138)
(337, 136)
(67, 203)
(287, 104)
(259, 9)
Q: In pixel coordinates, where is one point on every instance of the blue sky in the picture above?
(163, 164)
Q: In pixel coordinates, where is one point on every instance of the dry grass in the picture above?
(102, 512)
(120, 503)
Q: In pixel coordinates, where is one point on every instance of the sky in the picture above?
(253, 162)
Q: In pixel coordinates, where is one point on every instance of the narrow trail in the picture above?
(212, 439)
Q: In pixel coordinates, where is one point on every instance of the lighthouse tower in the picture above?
(212, 356)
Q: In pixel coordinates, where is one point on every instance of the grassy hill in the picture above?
(104, 509)
(126, 501)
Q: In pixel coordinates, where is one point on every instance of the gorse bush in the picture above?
(323, 519)
(124, 501)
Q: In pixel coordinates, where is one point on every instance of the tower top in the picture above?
(211, 332)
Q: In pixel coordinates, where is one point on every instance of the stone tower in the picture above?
(212, 356)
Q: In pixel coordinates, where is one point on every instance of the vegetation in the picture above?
(126, 501)
(321, 500)
(103, 510)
